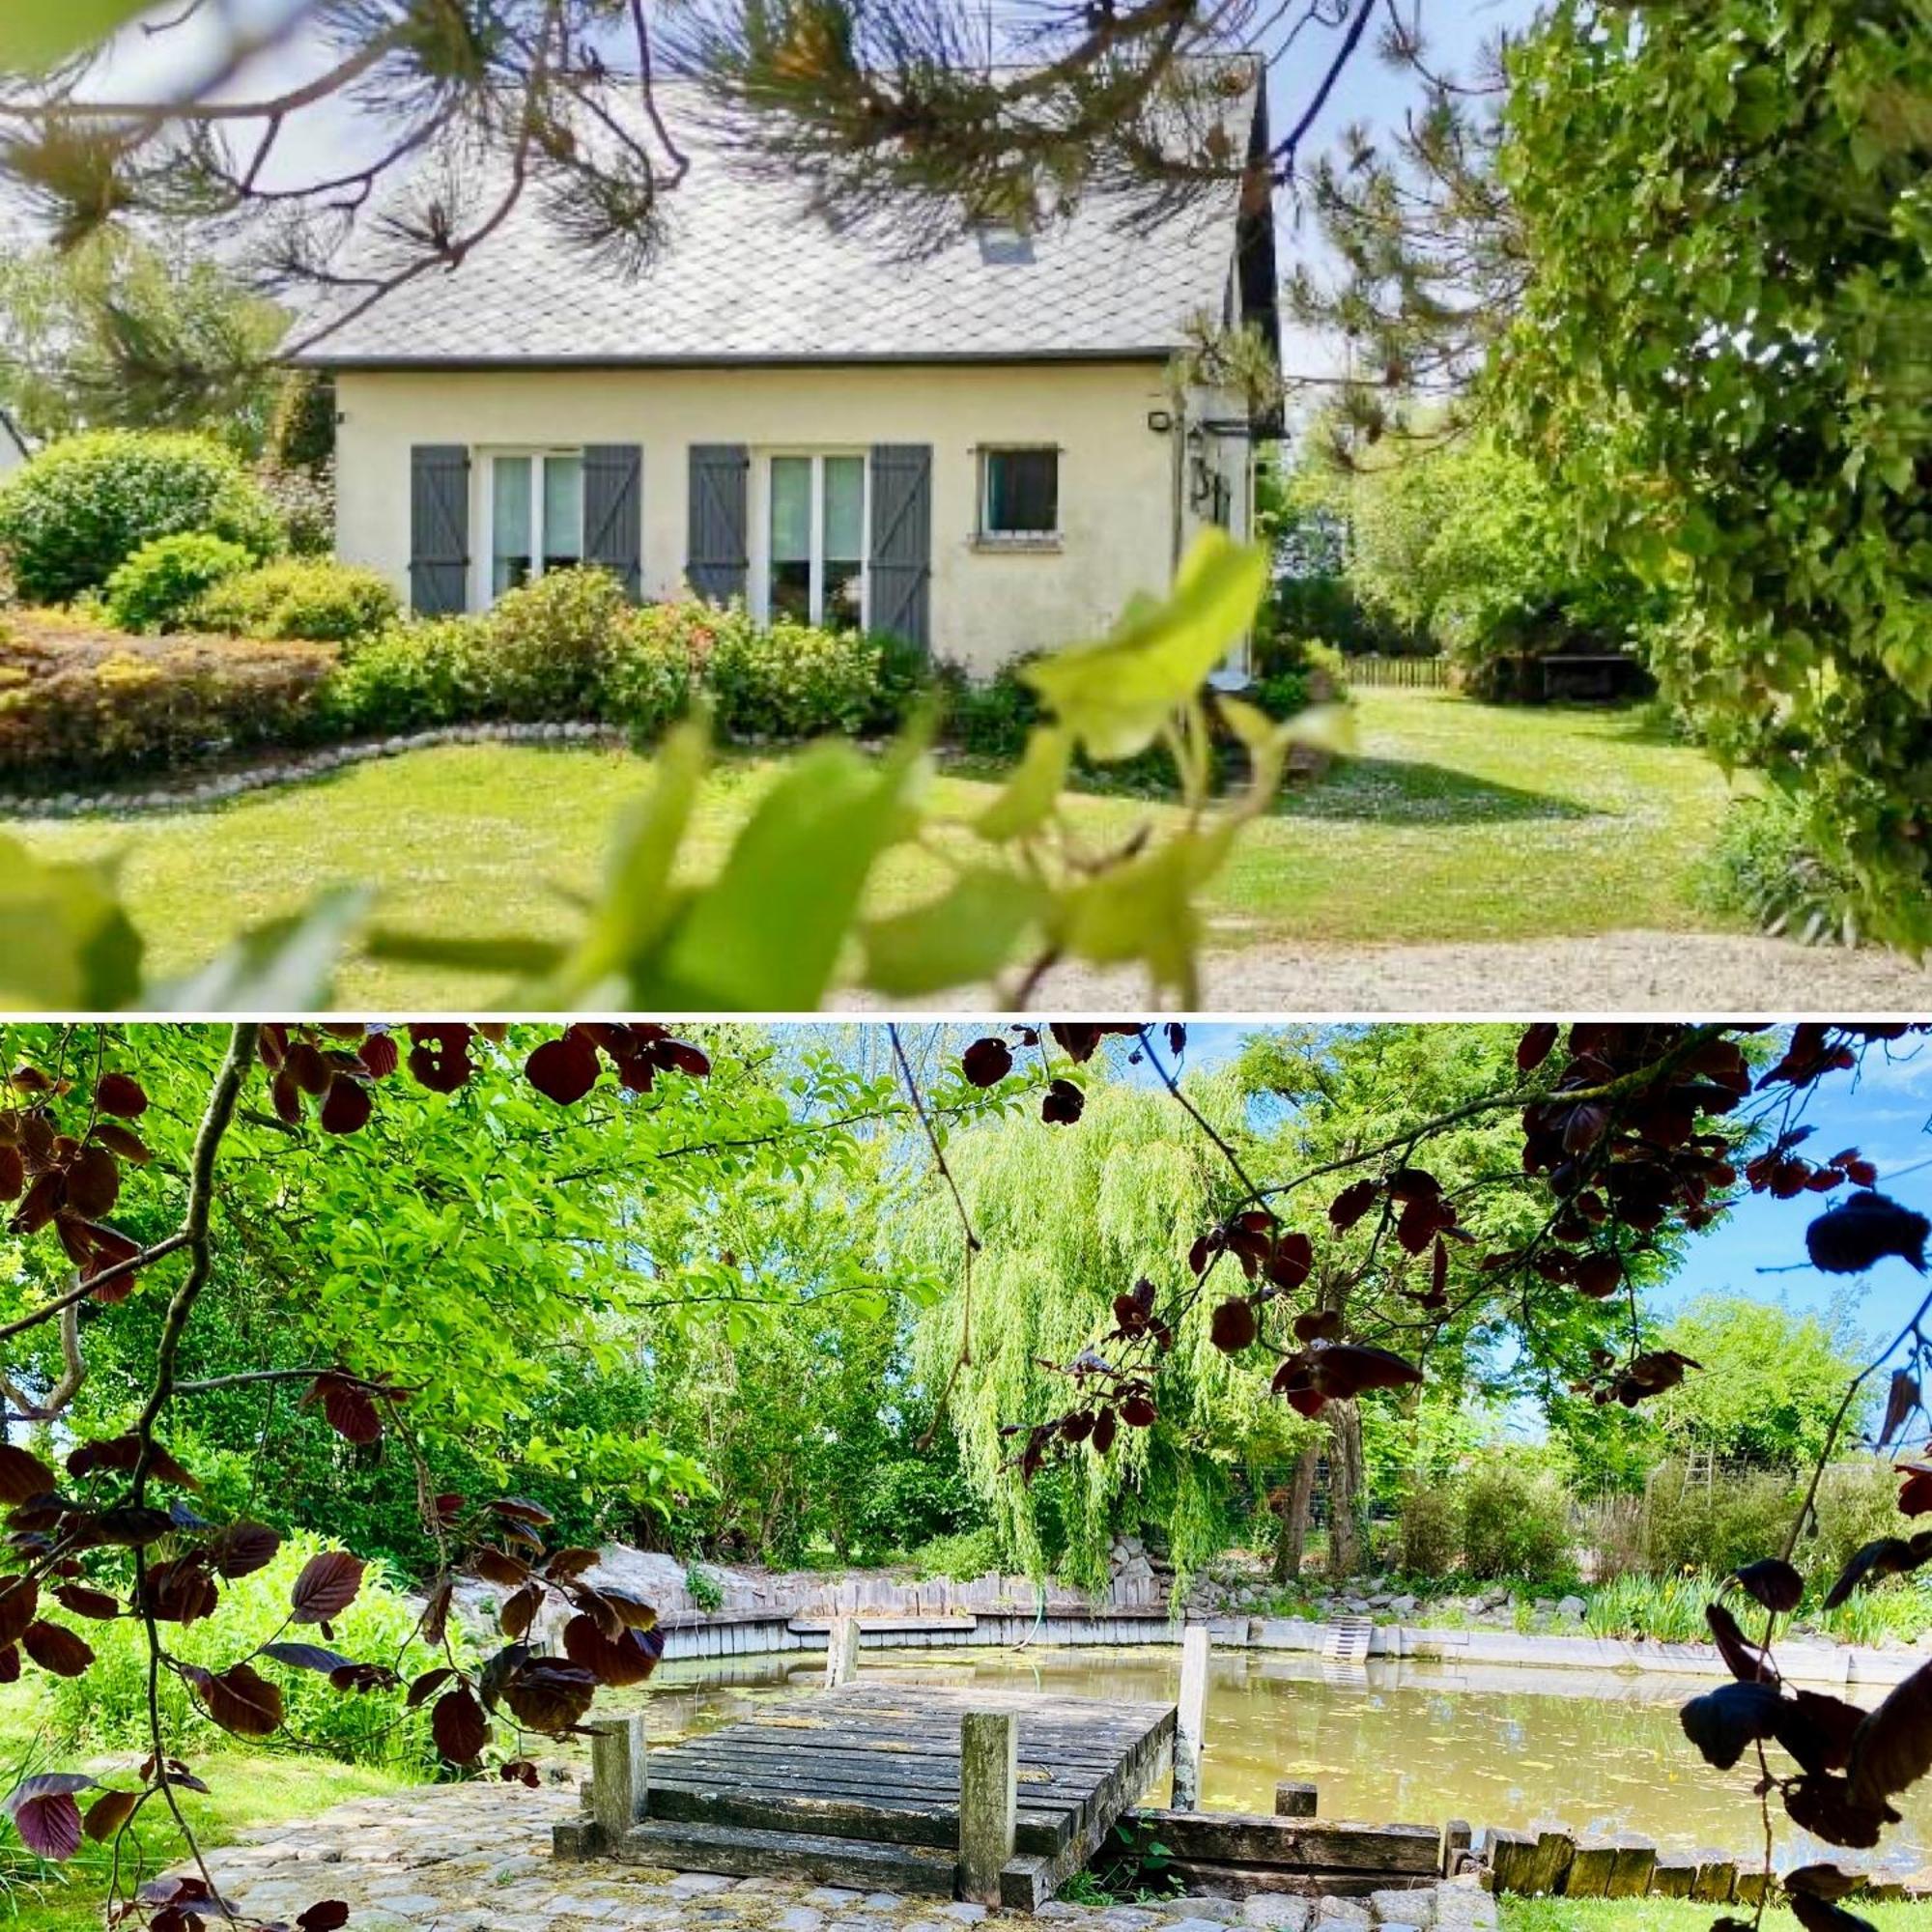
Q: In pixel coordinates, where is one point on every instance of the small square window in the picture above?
(1020, 493)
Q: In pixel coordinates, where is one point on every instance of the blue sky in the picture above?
(1886, 1113)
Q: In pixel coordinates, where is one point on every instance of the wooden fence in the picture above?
(1386, 673)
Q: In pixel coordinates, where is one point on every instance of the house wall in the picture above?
(1117, 477)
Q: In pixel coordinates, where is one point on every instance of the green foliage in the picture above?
(790, 680)
(81, 704)
(123, 331)
(1720, 357)
(81, 508)
(314, 599)
(1431, 1530)
(1515, 1516)
(301, 432)
(1771, 1385)
(702, 1589)
(106, 1709)
(304, 501)
(546, 643)
(1465, 545)
(410, 677)
(1763, 864)
(154, 588)
(1737, 1517)
(963, 1556)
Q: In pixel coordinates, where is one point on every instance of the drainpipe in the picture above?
(1177, 474)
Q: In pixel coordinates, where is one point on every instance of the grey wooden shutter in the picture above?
(613, 511)
(439, 528)
(900, 565)
(716, 557)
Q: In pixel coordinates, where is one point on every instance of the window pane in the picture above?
(791, 508)
(791, 588)
(845, 506)
(509, 523)
(563, 511)
(1022, 491)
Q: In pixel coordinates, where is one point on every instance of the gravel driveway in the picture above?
(1610, 973)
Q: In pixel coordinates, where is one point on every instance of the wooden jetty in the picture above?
(861, 1787)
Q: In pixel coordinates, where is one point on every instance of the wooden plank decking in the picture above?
(860, 1786)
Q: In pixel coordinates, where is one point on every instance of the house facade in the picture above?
(987, 450)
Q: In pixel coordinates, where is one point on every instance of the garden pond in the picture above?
(1398, 1741)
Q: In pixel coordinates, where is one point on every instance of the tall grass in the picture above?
(1670, 1609)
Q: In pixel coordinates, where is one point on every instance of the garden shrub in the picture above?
(410, 677)
(991, 718)
(1857, 1503)
(305, 500)
(962, 1557)
(546, 644)
(1515, 1519)
(314, 599)
(73, 512)
(75, 703)
(1431, 1530)
(1763, 865)
(1736, 1519)
(106, 1709)
(791, 680)
(154, 588)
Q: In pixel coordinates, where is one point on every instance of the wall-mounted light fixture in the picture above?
(1160, 421)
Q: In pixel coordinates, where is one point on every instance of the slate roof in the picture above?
(751, 274)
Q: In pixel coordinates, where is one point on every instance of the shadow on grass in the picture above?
(1407, 792)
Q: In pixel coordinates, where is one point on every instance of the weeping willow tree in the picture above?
(1069, 1218)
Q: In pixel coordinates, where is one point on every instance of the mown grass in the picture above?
(1677, 1915)
(246, 1790)
(1455, 821)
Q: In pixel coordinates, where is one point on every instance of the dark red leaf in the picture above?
(459, 1726)
(1721, 1723)
(241, 1700)
(986, 1062)
(120, 1093)
(244, 1547)
(327, 1587)
(564, 1070)
(346, 1107)
(56, 1648)
(1233, 1325)
(1351, 1205)
(109, 1813)
(1854, 1237)
(19, 1601)
(1534, 1048)
(1771, 1582)
(1062, 1104)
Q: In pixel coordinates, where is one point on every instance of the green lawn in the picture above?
(246, 1789)
(1679, 1915)
(1454, 820)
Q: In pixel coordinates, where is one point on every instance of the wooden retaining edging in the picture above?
(1237, 1854)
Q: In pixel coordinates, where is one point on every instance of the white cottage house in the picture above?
(984, 450)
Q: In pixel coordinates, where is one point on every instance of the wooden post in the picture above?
(1294, 1800)
(1192, 1719)
(841, 1652)
(988, 1801)
(1457, 1838)
(619, 1776)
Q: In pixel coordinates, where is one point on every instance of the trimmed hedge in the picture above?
(312, 599)
(75, 703)
(71, 514)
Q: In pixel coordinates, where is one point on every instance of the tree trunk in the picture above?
(1344, 1490)
(1291, 1531)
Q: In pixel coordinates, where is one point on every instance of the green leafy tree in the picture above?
(121, 334)
(1772, 1380)
(1719, 357)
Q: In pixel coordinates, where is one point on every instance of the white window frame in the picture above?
(483, 511)
(985, 534)
(759, 602)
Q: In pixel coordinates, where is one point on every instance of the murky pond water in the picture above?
(1400, 1743)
